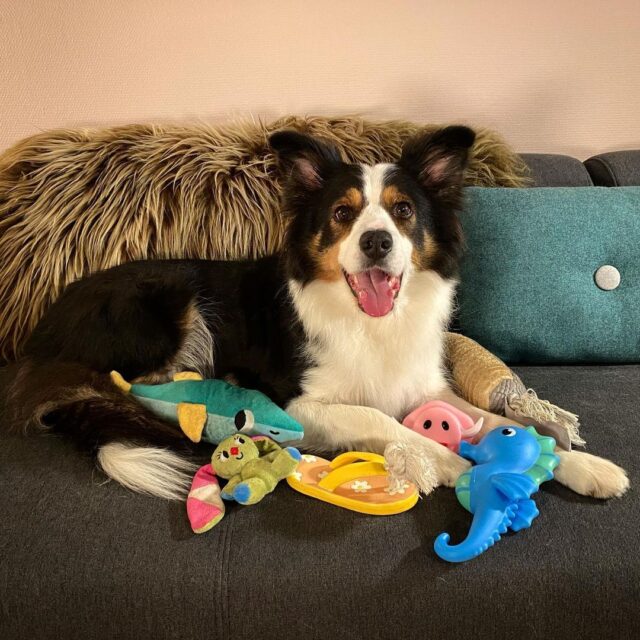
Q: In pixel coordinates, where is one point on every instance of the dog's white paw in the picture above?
(405, 462)
(452, 468)
(590, 475)
(418, 464)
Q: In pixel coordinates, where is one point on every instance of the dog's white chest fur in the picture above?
(393, 363)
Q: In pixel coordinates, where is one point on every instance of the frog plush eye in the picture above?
(239, 439)
(509, 432)
(224, 455)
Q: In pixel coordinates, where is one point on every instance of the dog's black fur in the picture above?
(132, 318)
(129, 318)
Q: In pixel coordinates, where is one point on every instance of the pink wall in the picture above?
(552, 75)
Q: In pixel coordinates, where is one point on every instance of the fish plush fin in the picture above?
(192, 419)
(120, 382)
(514, 486)
(186, 375)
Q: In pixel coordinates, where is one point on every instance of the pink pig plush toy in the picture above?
(443, 423)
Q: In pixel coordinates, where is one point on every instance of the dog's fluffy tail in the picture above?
(131, 444)
(158, 472)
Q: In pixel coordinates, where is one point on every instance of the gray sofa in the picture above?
(81, 558)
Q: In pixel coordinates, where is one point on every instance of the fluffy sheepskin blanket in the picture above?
(76, 201)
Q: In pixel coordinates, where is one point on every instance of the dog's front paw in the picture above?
(426, 464)
(590, 475)
(452, 468)
(405, 462)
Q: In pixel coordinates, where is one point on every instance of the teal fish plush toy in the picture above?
(212, 410)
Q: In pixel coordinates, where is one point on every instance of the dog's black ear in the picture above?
(438, 158)
(304, 158)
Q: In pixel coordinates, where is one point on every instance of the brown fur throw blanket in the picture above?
(76, 201)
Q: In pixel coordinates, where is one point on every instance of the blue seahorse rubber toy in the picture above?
(510, 465)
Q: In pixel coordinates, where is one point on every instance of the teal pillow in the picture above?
(528, 291)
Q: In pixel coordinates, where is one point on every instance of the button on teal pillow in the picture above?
(528, 291)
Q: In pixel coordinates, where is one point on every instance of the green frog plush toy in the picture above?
(252, 466)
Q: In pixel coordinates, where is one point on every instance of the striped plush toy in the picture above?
(252, 467)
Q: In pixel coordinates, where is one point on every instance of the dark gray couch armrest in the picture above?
(553, 170)
(615, 169)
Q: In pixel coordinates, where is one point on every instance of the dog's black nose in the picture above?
(376, 244)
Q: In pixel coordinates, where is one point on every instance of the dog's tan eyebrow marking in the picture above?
(392, 195)
(352, 198)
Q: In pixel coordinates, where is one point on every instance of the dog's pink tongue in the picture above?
(375, 293)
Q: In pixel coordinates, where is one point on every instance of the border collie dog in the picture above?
(344, 327)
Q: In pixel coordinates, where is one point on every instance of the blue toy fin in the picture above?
(526, 513)
(514, 486)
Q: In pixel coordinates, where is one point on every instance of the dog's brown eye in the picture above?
(402, 210)
(342, 213)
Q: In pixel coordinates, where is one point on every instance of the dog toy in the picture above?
(444, 423)
(253, 468)
(212, 410)
(487, 383)
(356, 480)
(511, 464)
(205, 507)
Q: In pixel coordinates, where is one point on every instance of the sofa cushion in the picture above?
(533, 288)
(556, 170)
(85, 559)
(615, 169)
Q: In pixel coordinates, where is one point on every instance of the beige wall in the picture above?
(552, 75)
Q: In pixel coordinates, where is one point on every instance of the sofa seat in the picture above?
(81, 558)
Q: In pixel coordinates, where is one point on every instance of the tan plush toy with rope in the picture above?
(486, 382)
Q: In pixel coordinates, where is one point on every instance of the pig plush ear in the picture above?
(413, 417)
(474, 429)
(469, 429)
(465, 421)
